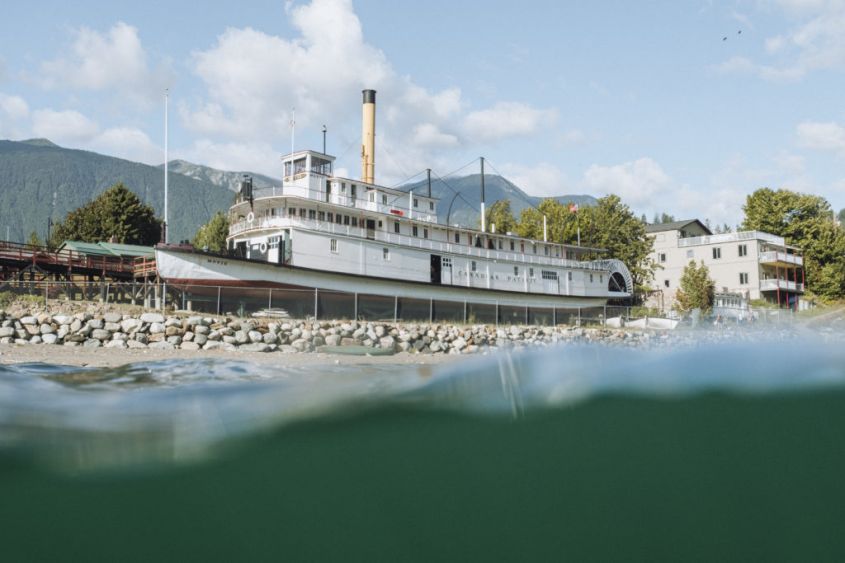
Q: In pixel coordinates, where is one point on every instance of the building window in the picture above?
(717, 253)
(415, 231)
(321, 215)
(743, 250)
(384, 199)
(500, 244)
(661, 257)
(743, 278)
(396, 227)
(516, 270)
(472, 265)
(334, 245)
(385, 253)
(690, 253)
(416, 203)
(425, 232)
(666, 283)
(457, 238)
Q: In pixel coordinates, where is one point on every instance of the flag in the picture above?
(573, 208)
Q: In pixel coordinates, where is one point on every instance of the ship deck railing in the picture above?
(417, 243)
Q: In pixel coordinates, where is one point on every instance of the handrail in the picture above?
(44, 256)
(415, 242)
(774, 256)
(730, 237)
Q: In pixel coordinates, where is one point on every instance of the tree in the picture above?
(500, 214)
(697, 289)
(611, 225)
(34, 239)
(116, 214)
(561, 224)
(805, 221)
(212, 235)
(841, 218)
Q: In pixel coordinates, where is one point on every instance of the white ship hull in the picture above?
(184, 267)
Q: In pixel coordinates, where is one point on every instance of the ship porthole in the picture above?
(250, 217)
(263, 247)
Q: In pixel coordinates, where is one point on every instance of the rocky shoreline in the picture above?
(155, 331)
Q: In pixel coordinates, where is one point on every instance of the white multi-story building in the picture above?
(752, 264)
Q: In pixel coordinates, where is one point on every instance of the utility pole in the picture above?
(166, 101)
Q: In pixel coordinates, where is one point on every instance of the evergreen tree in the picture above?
(34, 239)
(116, 214)
(212, 235)
(697, 289)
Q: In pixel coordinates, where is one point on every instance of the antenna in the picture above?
(324, 139)
(166, 101)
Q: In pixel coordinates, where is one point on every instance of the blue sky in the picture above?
(641, 99)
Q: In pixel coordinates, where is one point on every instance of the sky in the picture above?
(682, 107)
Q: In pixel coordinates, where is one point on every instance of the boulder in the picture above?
(152, 318)
(116, 344)
(92, 343)
(255, 336)
(95, 323)
(255, 347)
(157, 328)
(189, 346)
(135, 344)
(28, 320)
(129, 325)
(100, 334)
(161, 346)
(200, 339)
(47, 329)
(49, 339)
(112, 317)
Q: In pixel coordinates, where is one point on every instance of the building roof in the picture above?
(675, 226)
(108, 249)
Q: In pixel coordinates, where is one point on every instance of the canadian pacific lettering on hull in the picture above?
(326, 232)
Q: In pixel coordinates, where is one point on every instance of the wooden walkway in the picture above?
(20, 261)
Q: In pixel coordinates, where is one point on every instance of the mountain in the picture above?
(39, 179)
(229, 180)
(463, 195)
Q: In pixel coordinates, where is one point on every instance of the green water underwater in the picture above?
(493, 462)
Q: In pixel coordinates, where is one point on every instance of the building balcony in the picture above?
(783, 259)
(730, 237)
(784, 285)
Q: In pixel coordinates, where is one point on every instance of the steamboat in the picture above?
(322, 232)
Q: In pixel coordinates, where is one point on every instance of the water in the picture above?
(716, 452)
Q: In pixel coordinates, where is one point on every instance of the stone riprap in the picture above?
(196, 332)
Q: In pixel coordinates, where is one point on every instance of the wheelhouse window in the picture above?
(321, 166)
(295, 168)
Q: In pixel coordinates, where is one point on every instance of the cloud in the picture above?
(507, 119)
(816, 42)
(114, 60)
(13, 110)
(640, 183)
(542, 179)
(247, 156)
(129, 143)
(828, 136)
(253, 79)
(63, 126)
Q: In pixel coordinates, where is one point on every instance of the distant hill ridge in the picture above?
(39, 179)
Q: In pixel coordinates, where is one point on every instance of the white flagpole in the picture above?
(166, 100)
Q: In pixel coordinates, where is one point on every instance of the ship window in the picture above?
(447, 263)
(321, 215)
(569, 276)
(601, 278)
(591, 278)
(321, 166)
(354, 221)
(425, 232)
(511, 246)
(530, 272)
(273, 242)
(522, 247)
(415, 231)
(547, 250)
(292, 211)
(343, 187)
(372, 197)
(338, 218)
(431, 206)
(330, 217)
(534, 248)
(666, 283)
(396, 227)
(353, 191)
(469, 239)
(457, 238)
(385, 253)
(547, 275)
(312, 213)
(416, 203)
(516, 270)
(333, 243)
(346, 219)
(302, 212)
(298, 167)
(473, 265)
(384, 199)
